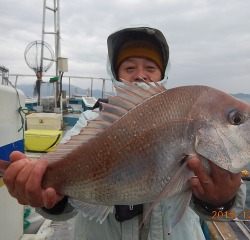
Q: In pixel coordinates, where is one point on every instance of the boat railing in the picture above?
(46, 79)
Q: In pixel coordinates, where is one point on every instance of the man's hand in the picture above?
(23, 180)
(216, 190)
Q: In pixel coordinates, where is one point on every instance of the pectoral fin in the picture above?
(179, 207)
(91, 211)
(174, 186)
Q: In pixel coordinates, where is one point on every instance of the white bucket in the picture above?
(39, 109)
(57, 110)
(36, 221)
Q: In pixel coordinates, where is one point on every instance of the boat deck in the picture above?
(51, 230)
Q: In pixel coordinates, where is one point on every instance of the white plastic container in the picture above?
(57, 110)
(39, 109)
(89, 101)
(11, 213)
(35, 220)
(45, 121)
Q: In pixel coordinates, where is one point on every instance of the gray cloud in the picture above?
(208, 39)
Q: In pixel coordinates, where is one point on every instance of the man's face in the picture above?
(133, 69)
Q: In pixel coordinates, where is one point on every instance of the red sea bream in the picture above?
(135, 150)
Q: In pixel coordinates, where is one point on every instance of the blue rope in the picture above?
(26, 223)
(20, 111)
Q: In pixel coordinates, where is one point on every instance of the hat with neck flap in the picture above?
(137, 41)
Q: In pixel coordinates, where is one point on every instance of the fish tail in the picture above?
(3, 166)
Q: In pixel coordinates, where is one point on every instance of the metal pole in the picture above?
(103, 87)
(69, 87)
(4, 81)
(54, 90)
(16, 81)
(58, 47)
(39, 78)
(58, 26)
(55, 29)
(56, 52)
(61, 105)
(5, 75)
(58, 72)
(91, 86)
(43, 30)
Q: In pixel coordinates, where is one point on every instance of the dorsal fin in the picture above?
(123, 93)
(153, 89)
(77, 143)
(135, 89)
(106, 116)
(121, 102)
(113, 109)
(126, 99)
(98, 124)
(64, 146)
(84, 137)
(91, 131)
(159, 86)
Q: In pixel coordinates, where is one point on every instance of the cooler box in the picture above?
(76, 104)
(45, 121)
(38, 140)
(88, 103)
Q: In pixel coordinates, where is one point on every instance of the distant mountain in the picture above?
(241, 95)
(29, 90)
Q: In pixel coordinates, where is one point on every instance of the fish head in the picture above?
(222, 130)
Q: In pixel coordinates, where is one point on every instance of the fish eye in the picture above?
(236, 117)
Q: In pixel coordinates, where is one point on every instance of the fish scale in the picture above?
(121, 144)
(123, 135)
(135, 151)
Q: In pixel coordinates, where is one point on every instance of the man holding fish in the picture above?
(135, 54)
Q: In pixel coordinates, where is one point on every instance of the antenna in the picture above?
(40, 56)
(56, 10)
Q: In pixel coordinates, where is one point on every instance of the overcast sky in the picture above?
(209, 40)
